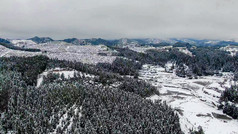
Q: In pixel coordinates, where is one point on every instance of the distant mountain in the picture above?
(97, 41)
(226, 43)
(74, 41)
(213, 43)
(182, 44)
(156, 42)
(93, 41)
(127, 41)
(196, 42)
(159, 41)
(4, 41)
(41, 39)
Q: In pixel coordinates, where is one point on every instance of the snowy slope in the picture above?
(22, 43)
(233, 50)
(6, 52)
(62, 51)
(194, 99)
(185, 51)
(68, 73)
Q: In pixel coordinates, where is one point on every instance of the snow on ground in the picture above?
(6, 52)
(181, 49)
(86, 54)
(63, 51)
(140, 49)
(143, 49)
(23, 43)
(232, 49)
(169, 66)
(68, 73)
(214, 42)
(195, 100)
(184, 50)
(65, 121)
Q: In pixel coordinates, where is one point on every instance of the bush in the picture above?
(122, 67)
(138, 87)
(230, 98)
(199, 131)
(230, 94)
(231, 109)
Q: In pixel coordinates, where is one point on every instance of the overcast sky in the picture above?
(202, 19)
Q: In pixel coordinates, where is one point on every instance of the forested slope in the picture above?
(79, 104)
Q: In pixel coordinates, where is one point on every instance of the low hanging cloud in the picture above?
(202, 19)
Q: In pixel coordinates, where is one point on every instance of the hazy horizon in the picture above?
(58, 39)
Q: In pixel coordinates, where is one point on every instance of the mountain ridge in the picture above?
(156, 42)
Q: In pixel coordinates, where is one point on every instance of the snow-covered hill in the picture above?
(6, 52)
(41, 39)
(23, 43)
(233, 50)
(67, 73)
(63, 51)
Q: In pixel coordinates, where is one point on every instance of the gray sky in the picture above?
(202, 19)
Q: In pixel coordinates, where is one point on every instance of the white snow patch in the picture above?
(23, 43)
(232, 49)
(67, 74)
(140, 49)
(184, 50)
(6, 52)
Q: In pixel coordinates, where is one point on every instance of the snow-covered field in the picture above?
(62, 51)
(195, 100)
